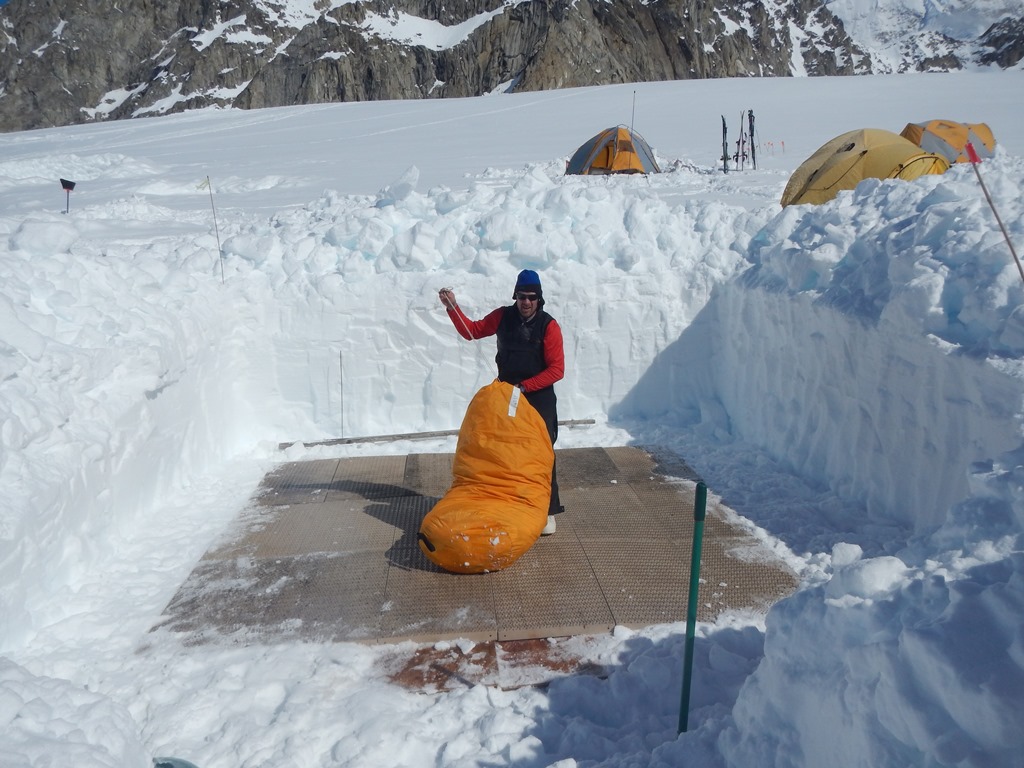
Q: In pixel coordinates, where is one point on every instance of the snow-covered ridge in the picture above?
(902, 35)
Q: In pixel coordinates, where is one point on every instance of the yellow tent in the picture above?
(948, 138)
(613, 150)
(845, 161)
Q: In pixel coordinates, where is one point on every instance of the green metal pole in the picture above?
(699, 511)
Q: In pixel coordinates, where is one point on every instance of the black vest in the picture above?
(521, 345)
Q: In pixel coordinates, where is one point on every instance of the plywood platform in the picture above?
(327, 552)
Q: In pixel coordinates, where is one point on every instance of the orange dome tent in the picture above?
(613, 150)
(948, 138)
(501, 488)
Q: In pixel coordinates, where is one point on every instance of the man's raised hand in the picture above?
(447, 296)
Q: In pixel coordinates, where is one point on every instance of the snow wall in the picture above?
(761, 327)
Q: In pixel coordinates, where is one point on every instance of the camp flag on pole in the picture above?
(67, 186)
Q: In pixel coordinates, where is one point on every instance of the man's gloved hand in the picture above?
(447, 297)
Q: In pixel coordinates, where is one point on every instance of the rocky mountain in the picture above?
(73, 61)
(934, 35)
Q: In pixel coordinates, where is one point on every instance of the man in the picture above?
(530, 354)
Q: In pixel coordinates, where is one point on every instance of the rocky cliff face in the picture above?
(1002, 44)
(73, 61)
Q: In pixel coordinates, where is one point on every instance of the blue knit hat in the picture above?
(528, 280)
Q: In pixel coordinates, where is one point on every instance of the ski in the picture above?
(753, 153)
(725, 146)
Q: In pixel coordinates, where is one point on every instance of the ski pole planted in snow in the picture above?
(972, 155)
(699, 510)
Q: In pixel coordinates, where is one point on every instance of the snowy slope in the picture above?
(846, 377)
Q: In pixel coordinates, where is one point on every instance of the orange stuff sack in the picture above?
(501, 486)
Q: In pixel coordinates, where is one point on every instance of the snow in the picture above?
(205, 39)
(847, 378)
(414, 30)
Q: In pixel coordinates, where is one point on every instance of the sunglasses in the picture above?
(526, 296)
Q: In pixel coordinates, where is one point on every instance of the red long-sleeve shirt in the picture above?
(554, 356)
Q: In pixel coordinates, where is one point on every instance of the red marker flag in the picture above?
(67, 186)
(975, 160)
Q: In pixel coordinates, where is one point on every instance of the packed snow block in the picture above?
(501, 486)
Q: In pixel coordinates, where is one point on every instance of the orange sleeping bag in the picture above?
(501, 486)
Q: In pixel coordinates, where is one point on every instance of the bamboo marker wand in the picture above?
(972, 155)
